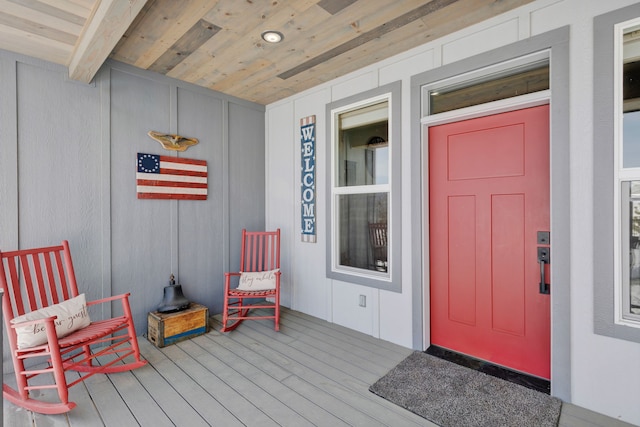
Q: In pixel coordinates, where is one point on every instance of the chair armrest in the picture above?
(33, 322)
(227, 280)
(107, 299)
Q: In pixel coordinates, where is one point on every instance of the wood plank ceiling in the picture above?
(217, 44)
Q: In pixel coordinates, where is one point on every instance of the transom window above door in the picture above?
(521, 76)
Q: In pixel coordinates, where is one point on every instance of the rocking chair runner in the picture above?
(37, 283)
(259, 277)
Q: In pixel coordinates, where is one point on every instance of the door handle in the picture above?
(544, 257)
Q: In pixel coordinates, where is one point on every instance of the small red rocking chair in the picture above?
(259, 277)
(37, 284)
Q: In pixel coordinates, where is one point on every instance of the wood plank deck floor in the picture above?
(311, 373)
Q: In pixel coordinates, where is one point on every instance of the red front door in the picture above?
(488, 198)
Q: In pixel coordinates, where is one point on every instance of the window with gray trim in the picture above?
(616, 175)
(363, 189)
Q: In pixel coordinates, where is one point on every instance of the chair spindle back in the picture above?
(36, 278)
(260, 250)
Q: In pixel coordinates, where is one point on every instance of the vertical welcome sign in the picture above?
(308, 178)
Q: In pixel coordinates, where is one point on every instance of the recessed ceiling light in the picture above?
(272, 36)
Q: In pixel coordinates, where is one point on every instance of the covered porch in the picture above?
(310, 373)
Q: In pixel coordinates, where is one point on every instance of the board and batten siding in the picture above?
(67, 171)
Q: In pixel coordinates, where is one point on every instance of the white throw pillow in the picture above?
(72, 315)
(258, 280)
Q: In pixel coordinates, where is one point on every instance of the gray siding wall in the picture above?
(67, 171)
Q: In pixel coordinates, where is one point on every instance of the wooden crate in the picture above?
(169, 328)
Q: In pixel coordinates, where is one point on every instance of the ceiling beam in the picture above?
(103, 31)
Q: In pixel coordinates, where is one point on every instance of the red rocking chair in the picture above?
(259, 277)
(47, 321)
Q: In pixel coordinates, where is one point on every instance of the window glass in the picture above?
(631, 138)
(363, 231)
(631, 98)
(493, 87)
(363, 148)
(631, 277)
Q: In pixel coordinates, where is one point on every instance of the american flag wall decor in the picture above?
(167, 177)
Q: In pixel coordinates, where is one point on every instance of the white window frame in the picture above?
(622, 315)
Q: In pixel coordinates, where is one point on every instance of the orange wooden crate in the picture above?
(169, 328)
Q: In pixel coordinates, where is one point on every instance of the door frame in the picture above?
(556, 43)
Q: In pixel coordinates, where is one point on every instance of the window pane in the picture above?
(363, 231)
(631, 97)
(529, 79)
(631, 139)
(363, 147)
(633, 297)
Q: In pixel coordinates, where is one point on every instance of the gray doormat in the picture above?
(454, 396)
